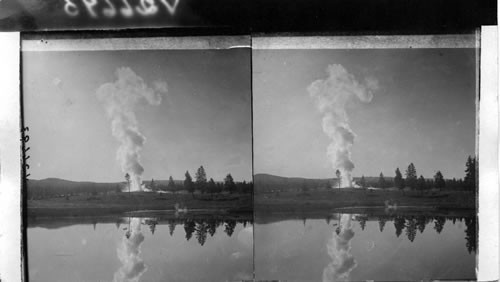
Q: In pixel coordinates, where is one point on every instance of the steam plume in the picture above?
(331, 96)
(339, 249)
(120, 99)
(128, 253)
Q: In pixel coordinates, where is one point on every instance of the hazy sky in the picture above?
(422, 112)
(203, 119)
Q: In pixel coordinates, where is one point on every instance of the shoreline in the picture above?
(119, 204)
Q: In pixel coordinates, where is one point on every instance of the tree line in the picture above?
(468, 183)
(410, 224)
(50, 188)
(200, 228)
(202, 185)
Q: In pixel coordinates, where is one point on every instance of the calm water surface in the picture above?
(141, 249)
(354, 247)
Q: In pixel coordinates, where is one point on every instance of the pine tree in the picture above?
(127, 178)
(429, 183)
(189, 227)
(399, 224)
(171, 184)
(229, 184)
(229, 227)
(421, 184)
(381, 181)
(171, 227)
(439, 180)
(362, 182)
(398, 180)
(362, 222)
(439, 224)
(381, 223)
(211, 187)
(338, 174)
(470, 174)
(152, 185)
(201, 231)
(411, 176)
(188, 183)
(411, 229)
(471, 234)
(201, 179)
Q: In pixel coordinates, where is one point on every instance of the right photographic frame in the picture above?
(365, 157)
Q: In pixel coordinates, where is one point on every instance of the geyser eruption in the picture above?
(128, 253)
(339, 249)
(120, 99)
(331, 96)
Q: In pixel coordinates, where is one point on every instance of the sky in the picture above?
(422, 111)
(204, 117)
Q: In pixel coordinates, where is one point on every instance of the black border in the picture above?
(271, 16)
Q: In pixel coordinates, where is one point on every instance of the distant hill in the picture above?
(57, 186)
(58, 182)
(272, 183)
(69, 184)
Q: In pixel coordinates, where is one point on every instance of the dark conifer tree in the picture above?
(411, 229)
(439, 223)
(229, 184)
(439, 180)
(399, 224)
(381, 181)
(411, 176)
(362, 182)
(201, 179)
(189, 227)
(398, 180)
(211, 187)
(339, 180)
(421, 184)
(381, 223)
(188, 183)
(470, 174)
(229, 227)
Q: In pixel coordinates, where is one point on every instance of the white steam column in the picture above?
(331, 96)
(120, 99)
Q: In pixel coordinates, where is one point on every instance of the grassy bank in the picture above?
(119, 203)
(316, 201)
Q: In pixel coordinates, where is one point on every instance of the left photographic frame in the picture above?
(140, 160)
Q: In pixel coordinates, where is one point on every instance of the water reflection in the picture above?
(201, 227)
(155, 248)
(129, 248)
(356, 247)
(410, 225)
(128, 253)
(339, 247)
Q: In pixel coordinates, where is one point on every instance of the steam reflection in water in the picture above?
(339, 249)
(358, 247)
(162, 248)
(129, 253)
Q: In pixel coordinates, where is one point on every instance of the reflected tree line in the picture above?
(200, 228)
(412, 225)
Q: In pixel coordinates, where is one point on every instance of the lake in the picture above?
(140, 249)
(354, 247)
